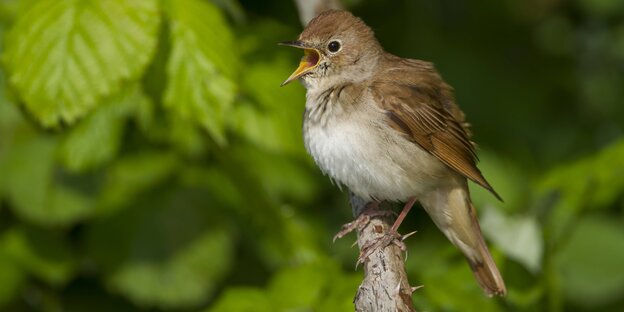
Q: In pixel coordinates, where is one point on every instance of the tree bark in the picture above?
(385, 286)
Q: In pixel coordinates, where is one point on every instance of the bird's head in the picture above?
(337, 47)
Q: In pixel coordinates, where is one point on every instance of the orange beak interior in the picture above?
(308, 62)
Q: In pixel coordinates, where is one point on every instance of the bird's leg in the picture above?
(406, 209)
(371, 210)
(391, 236)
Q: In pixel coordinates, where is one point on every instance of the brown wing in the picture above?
(423, 111)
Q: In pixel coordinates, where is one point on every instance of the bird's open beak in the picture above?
(311, 58)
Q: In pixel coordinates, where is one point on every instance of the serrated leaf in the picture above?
(590, 263)
(63, 56)
(97, 138)
(202, 65)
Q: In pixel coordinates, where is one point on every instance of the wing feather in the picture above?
(424, 111)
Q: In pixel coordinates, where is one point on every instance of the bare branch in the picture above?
(385, 286)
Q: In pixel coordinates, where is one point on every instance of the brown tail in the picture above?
(452, 211)
(484, 268)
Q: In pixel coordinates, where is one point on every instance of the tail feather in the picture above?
(484, 268)
(453, 213)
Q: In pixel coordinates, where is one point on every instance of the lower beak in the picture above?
(309, 61)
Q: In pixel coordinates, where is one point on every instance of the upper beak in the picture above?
(310, 59)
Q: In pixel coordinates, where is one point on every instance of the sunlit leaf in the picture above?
(11, 9)
(590, 264)
(63, 56)
(97, 138)
(202, 65)
(519, 237)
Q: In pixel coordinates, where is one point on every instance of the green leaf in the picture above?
(277, 173)
(590, 263)
(183, 280)
(519, 237)
(63, 56)
(165, 249)
(41, 253)
(453, 288)
(340, 293)
(300, 287)
(602, 8)
(12, 277)
(508, 180)
(593, 182)
(243, 299)
(97, 138)
(202, 65)
(270, 123)
(32, 189)
(133, 174)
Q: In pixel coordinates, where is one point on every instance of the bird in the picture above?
(388, 128)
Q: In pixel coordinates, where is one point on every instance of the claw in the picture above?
(381, 242)
(361, 221)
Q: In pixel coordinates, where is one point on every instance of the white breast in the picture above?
(358, 150)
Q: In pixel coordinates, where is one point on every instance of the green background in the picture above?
(150, 161)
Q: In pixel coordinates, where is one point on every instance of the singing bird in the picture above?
(388, 128)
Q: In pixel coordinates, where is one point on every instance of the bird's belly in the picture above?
(372, 162)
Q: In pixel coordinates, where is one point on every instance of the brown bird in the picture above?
(388, 128)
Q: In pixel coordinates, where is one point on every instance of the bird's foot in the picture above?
(362, 220)
(391, 237)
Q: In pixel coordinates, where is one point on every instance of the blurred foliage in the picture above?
(150, 161)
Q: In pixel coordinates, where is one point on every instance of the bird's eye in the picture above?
(333, 46)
